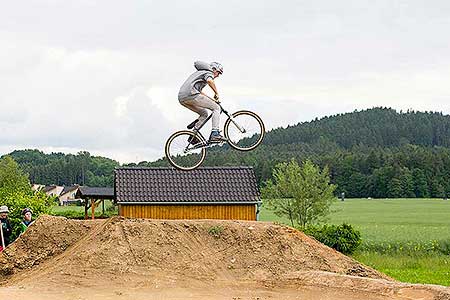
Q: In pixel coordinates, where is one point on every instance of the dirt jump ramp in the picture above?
(122, 258)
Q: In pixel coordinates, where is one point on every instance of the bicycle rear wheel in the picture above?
(182, 154)
(244, 130)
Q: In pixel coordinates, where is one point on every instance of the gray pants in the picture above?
(200, 104)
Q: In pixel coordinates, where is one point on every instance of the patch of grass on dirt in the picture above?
(215, 231)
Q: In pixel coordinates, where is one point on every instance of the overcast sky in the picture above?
(103, 76)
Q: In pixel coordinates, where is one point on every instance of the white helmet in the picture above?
(4, 209)
(216, 66)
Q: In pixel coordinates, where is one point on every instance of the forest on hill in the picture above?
(377, 152)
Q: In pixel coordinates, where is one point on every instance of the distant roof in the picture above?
(204, 185)
(68, 189)
(48, 188)
(95, 192)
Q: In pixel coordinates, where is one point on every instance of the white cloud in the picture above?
(103, 76)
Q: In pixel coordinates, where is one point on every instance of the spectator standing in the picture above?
(27, 219)
(5, 226)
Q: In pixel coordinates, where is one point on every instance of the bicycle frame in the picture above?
(222, 110)
(243, 131)
(207, 143)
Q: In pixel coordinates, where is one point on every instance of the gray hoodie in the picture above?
(196, 81)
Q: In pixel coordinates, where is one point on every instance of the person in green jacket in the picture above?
(27, 220)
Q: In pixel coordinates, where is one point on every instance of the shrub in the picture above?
(215, 231)
(17, 200)
(16, 193)
(344, 238)
(444, 247)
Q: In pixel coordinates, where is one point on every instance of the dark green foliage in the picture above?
(16, 193)
(344, 238)
(215, 231)
(66, 169)
(374, 127)
(444, 247)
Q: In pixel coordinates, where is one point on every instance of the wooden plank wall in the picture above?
(223, 212)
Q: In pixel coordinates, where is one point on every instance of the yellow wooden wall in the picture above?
(223, 212)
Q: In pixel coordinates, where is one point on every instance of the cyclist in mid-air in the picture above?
(192, 97)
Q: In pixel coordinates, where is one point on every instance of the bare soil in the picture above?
(138, 259)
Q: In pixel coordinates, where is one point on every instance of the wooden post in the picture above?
(93, 208)
(86, 207)
(103, 206)
(3, 239)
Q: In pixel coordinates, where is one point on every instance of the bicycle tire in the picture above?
(259, 132)
(190, 161)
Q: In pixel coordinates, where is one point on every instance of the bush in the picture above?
(17, 200)
(16, 193)
(344, 238)
(215, 231)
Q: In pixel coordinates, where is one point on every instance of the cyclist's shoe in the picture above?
(190, 126)
(215, 137)
(193, 140)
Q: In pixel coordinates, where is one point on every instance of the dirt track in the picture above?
(155, 259)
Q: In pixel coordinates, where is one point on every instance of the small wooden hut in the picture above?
(229, 193)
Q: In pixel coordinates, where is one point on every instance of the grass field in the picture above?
(73, 211)
(408, 239)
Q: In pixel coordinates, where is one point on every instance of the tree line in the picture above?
(377, 152)
(66, 169)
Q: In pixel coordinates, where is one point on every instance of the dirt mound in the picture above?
(46, 237)
(204, 249)
(205, 255)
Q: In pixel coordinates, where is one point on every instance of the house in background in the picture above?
(68, 195)
(37, 187)
(229, 193)
(53, 190)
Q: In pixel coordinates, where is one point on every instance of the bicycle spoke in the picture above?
(250, 135)
(182, 154)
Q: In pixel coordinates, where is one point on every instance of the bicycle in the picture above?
(244, 131)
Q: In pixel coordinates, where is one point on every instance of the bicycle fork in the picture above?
(241, 129)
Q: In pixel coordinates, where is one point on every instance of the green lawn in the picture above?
(389, 220)
(73, 211)
(408, 239)
(433, 269)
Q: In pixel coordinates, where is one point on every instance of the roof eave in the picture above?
(188, 203)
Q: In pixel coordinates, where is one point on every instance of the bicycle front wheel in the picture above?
(244, 130)
(182, 153)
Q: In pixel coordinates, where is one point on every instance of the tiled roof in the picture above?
(48, 188)
(95, 192)
(68, 189)
(203, 185)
